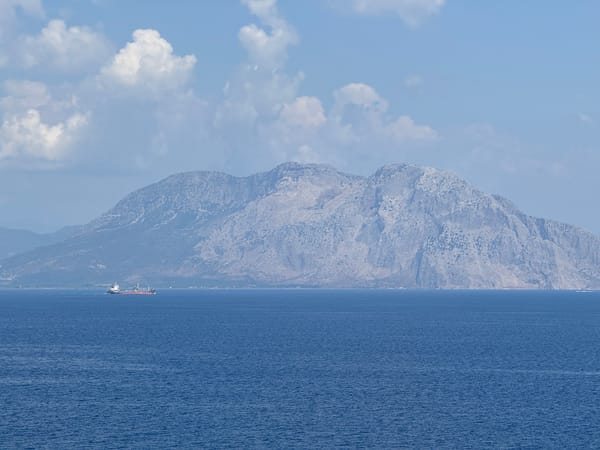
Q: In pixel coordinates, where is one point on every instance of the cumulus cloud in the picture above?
(142, 100)
(35, 127)
(264, 120)
(412, 12)
(404, 129)
(21, 95)
(364, 112)
(265, 9)
(359, 94)
(357, 127)
(295, 131)
(255, 93)
(27, 137)
(9, 10)
(267, 47)
(304, 112)
(149, 64)
(68, 49)
(259, 103)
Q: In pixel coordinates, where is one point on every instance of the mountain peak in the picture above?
(297, 169)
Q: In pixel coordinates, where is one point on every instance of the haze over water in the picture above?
(299, 368)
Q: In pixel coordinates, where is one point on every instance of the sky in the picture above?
(102, 97)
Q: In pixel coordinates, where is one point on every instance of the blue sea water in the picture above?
(299, 369)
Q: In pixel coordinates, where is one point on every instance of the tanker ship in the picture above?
(116, 289)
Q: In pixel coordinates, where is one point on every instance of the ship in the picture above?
(116, 289)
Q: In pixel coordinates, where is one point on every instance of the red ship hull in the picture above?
(137, 293)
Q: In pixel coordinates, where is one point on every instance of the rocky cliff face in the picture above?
(309, 225)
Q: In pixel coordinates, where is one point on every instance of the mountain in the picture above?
(310, 225)
(13, 242)
(16, 241)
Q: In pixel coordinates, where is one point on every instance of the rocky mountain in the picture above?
(310, 225)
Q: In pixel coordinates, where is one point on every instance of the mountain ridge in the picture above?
(14, 241)
(312, 225)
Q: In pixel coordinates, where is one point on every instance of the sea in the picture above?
(298, 368)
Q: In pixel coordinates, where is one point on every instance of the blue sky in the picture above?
(101, 97)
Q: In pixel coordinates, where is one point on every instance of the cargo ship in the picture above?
(116, 289)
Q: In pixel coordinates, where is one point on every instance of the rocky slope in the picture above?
(310, 225)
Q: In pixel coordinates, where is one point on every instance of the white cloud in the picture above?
(35, 127)
(267, 48)
(27, 137)
(263, 119)
(265, 9)
(148, 63)
(9, 8)
(8, 21)
(69, 49)
(412, 12)
(143, 101)
(359, 94)
(264, 48)
(260, 118)
(22, 95)
(404, 129)
(304, 112)
(357, 127)
(293, 133)
(363, 111)
(306, 154)
(255, 93)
